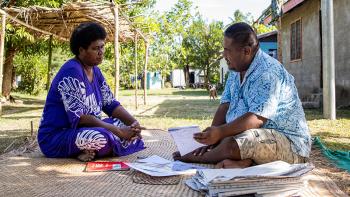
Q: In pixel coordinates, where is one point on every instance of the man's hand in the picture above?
(201, 150)
(209, 136)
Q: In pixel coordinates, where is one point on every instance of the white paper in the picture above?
(181, 166)
(158, 166)
(183, 137)
(154, 159)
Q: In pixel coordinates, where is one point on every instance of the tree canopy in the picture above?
(179, 39)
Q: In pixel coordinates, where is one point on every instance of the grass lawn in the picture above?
(164, 109)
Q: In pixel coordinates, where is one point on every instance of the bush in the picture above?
(107, 69)
(33, 71)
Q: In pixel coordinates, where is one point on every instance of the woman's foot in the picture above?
(87, 155)
(227, 163)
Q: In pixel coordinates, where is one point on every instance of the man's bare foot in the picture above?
(87, 155)
(227, 163)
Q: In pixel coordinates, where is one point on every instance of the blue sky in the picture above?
(220, 10)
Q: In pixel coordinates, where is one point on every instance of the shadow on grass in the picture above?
(13, 132)
(17, 117)
(190, 92)
(326, 134)
(12, 109)
(193, 92)
(186, 109)
(317, 114)
(29, 101)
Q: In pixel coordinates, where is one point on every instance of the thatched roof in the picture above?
(60, 22)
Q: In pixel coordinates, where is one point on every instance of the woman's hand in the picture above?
(124, 132)
(135, 126)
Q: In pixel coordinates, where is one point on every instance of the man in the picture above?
(260, 118)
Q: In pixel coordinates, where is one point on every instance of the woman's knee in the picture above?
(92, 139)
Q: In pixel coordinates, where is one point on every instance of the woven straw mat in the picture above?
(31, 174)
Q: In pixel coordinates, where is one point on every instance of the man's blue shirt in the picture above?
(268, 90)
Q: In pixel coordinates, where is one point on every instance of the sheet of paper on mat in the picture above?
(158, 166)
(183, 137)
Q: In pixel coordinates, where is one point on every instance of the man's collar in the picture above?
(253, 65)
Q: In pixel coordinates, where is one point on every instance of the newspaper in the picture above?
(267, 179)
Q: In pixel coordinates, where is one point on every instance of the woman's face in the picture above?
(93, 55)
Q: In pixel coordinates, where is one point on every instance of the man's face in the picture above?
(93, 55)
(235, 56)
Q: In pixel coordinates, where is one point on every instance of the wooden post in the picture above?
(135, 56)
(2, 51)
(279, 40)
(31, 129)
(116, 50)
(145, 75)
(329, 110)
(49, 64)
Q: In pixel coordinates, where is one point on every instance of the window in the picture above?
(295, 41)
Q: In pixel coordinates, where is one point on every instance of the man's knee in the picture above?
(231, 147)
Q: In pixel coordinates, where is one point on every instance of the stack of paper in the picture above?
(266, 180)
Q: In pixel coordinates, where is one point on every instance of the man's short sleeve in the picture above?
(264, 95)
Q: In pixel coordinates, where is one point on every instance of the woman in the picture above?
(71, 124)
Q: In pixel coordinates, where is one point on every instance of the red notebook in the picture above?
(100, 166)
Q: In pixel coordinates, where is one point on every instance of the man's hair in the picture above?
(242, 35)
(84, 35)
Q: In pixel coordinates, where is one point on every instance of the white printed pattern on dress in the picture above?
(106, 94)
(74, 97)
(90, 140)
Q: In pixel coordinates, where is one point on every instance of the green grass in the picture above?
(335, 133)
(168, 91)
(165, 108)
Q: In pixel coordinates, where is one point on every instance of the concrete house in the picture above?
(268, 43)
(301, 46)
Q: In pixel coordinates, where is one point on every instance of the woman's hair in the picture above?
(84, 35)
(242, 35)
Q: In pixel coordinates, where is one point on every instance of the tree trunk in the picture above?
(187, 75)
(206, 78)
(13, 79)
(7, 73)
